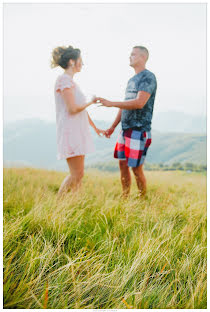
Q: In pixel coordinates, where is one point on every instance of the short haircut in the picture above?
(144, 50)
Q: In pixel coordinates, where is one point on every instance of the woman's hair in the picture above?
(62, 55)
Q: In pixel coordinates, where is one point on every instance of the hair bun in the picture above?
(62, 55)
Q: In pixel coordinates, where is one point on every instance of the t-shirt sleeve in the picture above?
(147, 84)
(64, 82)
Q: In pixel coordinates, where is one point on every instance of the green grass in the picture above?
(94, 250)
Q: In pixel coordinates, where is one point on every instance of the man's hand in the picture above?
(109, 132)
(104, 102)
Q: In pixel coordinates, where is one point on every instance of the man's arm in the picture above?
(117, 119)
(138, 103)
(145, 89)
(109, 131)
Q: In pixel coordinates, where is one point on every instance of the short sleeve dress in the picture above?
(72, 130)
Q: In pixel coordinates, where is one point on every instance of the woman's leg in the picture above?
(73, 180)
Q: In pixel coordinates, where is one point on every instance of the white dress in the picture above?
(72, 130)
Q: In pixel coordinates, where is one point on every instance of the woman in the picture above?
(74, 139)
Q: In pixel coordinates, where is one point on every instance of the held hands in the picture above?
(100, 132)
(93, 99)
(107, 133)
(103, 102)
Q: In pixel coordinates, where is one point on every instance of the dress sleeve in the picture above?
(148, 84)
(63, 82)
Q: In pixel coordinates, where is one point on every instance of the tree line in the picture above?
(187, 166)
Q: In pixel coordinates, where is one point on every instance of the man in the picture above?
(135, 114)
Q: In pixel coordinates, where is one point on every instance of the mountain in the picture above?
(174, 121)
(32, 142)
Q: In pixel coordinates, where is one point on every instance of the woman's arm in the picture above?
(98, 131)
(91, 122)
(68, 96)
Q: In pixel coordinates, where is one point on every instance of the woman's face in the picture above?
(78, 64)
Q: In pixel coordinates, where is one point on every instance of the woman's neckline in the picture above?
(67, 75)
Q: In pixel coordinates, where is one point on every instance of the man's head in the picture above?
(139, 56)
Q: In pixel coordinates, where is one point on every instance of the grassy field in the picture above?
(94, 250)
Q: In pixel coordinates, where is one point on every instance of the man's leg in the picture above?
(140, 179)
(125, 177)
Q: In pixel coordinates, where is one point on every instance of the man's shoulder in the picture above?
(148, 78)
(143, 76)
(149, 74)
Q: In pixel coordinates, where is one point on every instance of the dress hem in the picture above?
(74, 155)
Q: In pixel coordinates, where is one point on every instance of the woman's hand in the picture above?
(93, 99)
(109, 132)
(99, 132)
(103, 102)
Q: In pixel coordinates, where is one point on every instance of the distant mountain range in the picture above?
(174, 121)
(32, 142)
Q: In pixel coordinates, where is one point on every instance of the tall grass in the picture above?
(95, 250)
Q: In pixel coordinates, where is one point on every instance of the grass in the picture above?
(94, 250)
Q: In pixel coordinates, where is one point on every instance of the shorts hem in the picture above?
(137, 165)
(120, 158)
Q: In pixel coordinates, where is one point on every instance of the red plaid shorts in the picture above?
(132, 145)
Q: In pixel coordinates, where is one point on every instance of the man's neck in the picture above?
(139, 68)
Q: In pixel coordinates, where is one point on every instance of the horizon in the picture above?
(6, 122)
(163, 122)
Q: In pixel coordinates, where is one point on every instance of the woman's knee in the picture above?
(81, 174)
(78, 175)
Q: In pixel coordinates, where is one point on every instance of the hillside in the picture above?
(90, 251)
(33, 143)
(175, 121)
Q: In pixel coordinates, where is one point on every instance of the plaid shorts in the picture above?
(132, 145)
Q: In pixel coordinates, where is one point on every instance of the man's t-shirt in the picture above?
(140, 118)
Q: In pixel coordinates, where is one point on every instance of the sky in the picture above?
(175, 35)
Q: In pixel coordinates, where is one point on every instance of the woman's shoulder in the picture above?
(64, 81)
(64, 77)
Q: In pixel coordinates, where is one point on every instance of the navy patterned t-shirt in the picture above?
(140, 118)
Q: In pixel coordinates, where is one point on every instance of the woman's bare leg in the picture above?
(73, 180)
